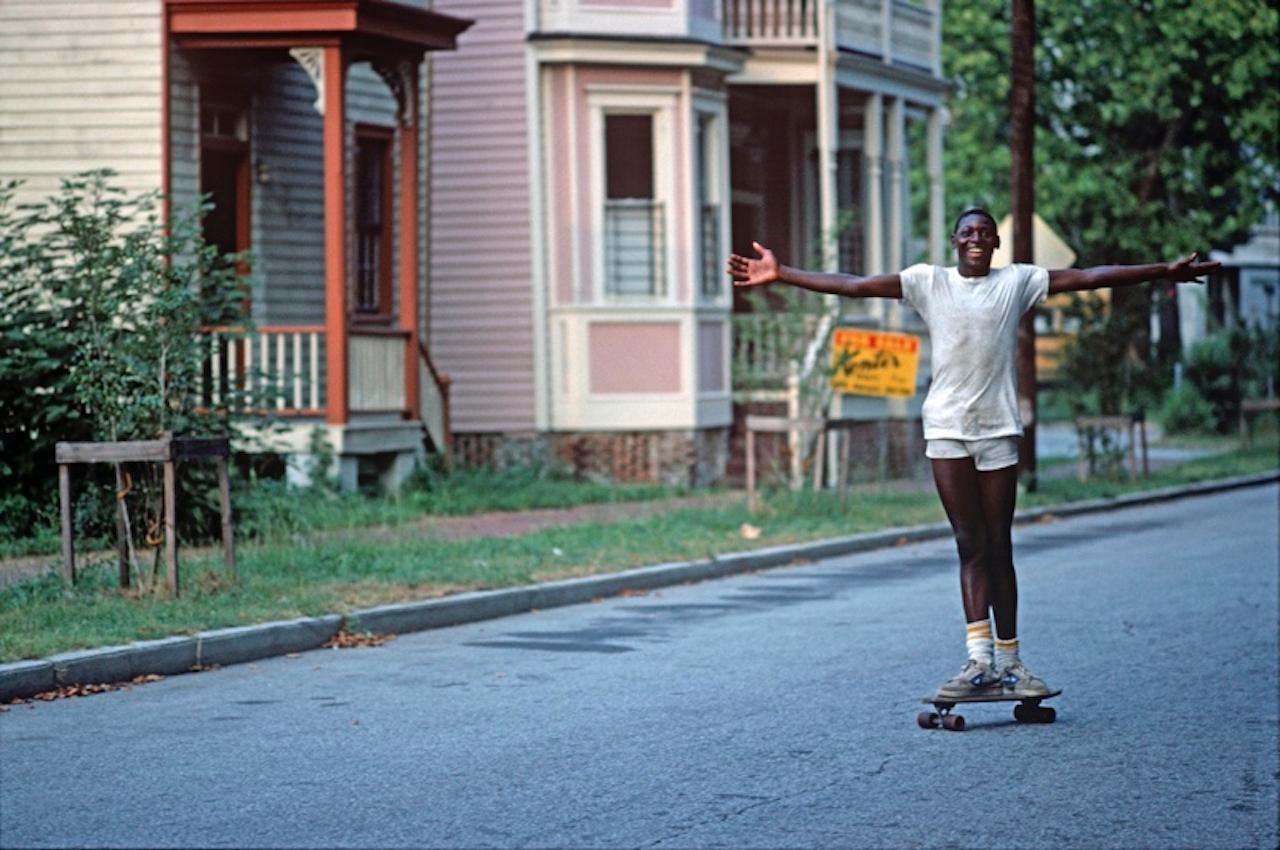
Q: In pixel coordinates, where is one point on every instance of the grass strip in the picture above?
(321, 574)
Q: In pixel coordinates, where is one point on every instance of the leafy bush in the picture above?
(1185, 411)
(1233, 364)
(101, 302)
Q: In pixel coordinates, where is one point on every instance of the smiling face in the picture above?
(975, 240)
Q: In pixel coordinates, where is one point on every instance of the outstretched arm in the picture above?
(1100, 277)
(747, 271)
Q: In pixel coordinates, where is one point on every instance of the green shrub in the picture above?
(1185, 411)
(1233, 364)
(101, 303)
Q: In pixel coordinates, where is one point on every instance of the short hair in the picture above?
(975, 211)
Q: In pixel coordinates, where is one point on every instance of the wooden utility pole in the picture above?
(1022, 109)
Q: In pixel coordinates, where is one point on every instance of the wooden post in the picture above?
(1142, 433)
(1133, 450)
(751, 469)
(171, 525)
(68, 547)
(819, 455)
(846, 445)
(122, 545)
(228, 532)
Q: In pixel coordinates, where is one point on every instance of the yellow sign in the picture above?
(874, 362)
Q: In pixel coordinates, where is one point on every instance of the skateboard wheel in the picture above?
(1046, 714)
(927, 720)
(1023, 713)
(953, 723)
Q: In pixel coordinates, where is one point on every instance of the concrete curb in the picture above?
(170, 656)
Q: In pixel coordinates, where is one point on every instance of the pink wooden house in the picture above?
(591, 164)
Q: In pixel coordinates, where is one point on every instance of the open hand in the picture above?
(750, 272)
(1190, 267)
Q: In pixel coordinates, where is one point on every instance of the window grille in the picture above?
(634, 247)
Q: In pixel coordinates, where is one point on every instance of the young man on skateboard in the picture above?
(971, 421)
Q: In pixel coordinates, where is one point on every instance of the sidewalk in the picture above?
(171, 656)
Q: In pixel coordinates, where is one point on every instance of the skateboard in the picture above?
(1028, 710)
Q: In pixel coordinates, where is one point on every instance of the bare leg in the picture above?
(958, 486)
(999, 493)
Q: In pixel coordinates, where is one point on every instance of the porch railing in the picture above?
(273, 368)
(766, 344)
(771, 21)
(280, 369)
(897, 30)
(433, 400)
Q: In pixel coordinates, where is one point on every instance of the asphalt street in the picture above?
(774, 709)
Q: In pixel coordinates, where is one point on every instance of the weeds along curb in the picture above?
(218, 647)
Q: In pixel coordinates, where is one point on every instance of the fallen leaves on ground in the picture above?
(352, 640)
(86, 689)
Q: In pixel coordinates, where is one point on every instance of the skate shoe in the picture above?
(1018, 681)
(974, 680)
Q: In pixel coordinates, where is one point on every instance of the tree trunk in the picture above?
(1022, 110)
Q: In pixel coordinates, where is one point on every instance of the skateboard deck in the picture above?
(1028, 709)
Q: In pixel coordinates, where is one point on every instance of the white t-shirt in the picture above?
(973, 326)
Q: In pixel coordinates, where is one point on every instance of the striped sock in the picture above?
(978, 640)
(1006, 653)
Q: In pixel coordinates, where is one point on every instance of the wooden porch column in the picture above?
(873, 221)
(335, 233)
(937, 210)
(409, 234)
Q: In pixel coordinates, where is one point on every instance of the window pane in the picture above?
(628, 146)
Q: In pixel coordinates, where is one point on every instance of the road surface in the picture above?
(774, 709)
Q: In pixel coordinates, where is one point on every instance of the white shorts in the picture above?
(987, 455)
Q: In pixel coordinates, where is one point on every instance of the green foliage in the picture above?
(1099, 364)
(101, 302)
(1185, 411)
(1154, 123)
(1230, 365)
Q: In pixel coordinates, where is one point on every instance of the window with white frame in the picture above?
(708, 199)
(634, 218)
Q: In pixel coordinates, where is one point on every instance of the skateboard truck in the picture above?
(1027, 710)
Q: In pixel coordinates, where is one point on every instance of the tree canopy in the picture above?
(1155, 120)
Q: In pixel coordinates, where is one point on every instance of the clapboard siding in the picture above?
(288, 209)
(481, 267)
(80, 89)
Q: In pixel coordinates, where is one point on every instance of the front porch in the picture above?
(304, 123)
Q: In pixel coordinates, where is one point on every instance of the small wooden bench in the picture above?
(169, 450)
(1134, 426)
(1249, 409)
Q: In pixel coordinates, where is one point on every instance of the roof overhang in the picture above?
(378, 26)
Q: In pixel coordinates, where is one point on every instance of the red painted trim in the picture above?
(391, 24)
(335, 233)
(244, 207)
(200, 42)
(409, 244)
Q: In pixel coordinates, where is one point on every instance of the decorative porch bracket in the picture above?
(400, 77)
(312, 61)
